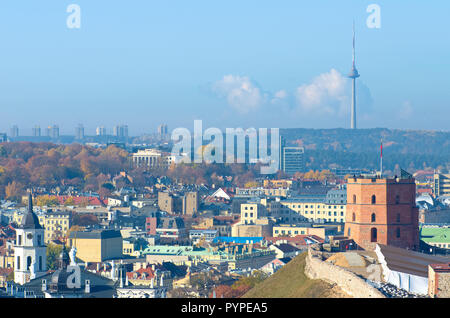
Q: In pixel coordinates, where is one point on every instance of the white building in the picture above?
(29, 251)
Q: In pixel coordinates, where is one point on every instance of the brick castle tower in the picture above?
(382, 210)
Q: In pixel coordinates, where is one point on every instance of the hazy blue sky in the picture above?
(246, 63)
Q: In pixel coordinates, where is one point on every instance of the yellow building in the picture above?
(128, 249)
(98, 245)
(250, 212)
(287, 230)
(441, 184)
(308, 210)
(57, 224)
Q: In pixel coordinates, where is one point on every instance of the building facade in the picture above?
(382, 210)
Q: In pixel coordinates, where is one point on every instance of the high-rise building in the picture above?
(55, 131)
(100, 131)
(383, 211)
(36, 131)
(291, 158)
(441, 185)
(79, 132)
(14, 131)
(3, 137)
(120, 131)
(353, 75)
(162, 131)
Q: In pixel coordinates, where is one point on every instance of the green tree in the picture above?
(53, 252)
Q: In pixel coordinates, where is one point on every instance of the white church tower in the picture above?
(29, 251)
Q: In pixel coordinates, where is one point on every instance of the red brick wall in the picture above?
(386, 209)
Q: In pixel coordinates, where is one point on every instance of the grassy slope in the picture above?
(291, 282)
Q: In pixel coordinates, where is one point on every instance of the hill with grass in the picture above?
(291, 282)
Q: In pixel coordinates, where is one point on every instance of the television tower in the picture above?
(353, 75)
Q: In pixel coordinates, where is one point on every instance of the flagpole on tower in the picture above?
(381, 159)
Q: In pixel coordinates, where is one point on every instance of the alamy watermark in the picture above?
(74, 19)
(216, 151)
(374, 19)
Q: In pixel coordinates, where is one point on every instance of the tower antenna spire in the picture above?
(353, 75)
(354, 44)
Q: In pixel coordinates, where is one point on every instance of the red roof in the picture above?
(79, 200)
(441, 267)
(149, 274)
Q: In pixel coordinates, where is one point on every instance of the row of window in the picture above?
(19, 239)
(373, 217)
(29, 262)
(373, 199)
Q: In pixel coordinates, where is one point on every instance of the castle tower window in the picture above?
(398, 232)
(373, 234)
(354, 198)
(374, 199)
(353, 217)
(397, 199)
(398, 217)
(373, 217)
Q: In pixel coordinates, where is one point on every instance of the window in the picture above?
(19, 240)
(398, 232)
(39, 240)
(28, 263)
(40, 263)
(348, 232)
(374, 199)
(353, 217)
(18, 262)
(374, 217)
(398, 217)
(354, 198)
(373, 234)
(397, 199)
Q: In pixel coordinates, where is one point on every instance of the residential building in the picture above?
(57, 224)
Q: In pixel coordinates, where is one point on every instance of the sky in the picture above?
(247, 63)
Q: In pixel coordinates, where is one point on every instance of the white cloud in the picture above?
(240, 92)
(328, 93)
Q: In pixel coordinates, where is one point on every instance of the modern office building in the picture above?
(120, 131)
(441, 185)
(79, 132)
(291, 159)
(36, 131)
(100, 131)
(162, 131)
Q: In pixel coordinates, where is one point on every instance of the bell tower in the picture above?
(29, 250)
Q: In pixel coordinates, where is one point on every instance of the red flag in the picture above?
(381, 149)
